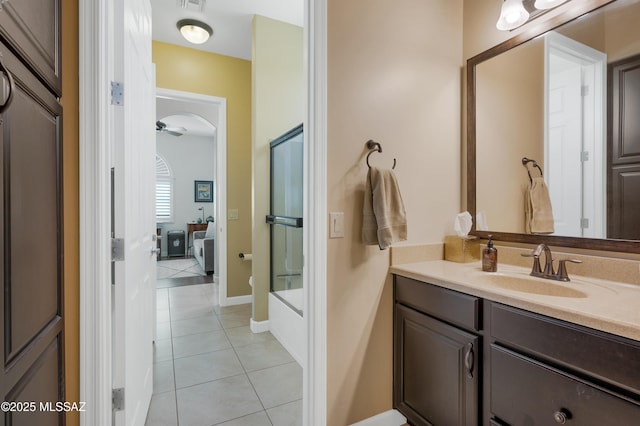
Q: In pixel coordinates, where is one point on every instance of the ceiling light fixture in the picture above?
(194, 31)
(512, 15)
(548, 4)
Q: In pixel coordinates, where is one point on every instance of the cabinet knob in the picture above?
(561, 416)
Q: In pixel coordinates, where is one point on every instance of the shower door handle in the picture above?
(295, 222)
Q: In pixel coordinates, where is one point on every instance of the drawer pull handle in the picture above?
(7, 102)
(561, 416)
(468, 360)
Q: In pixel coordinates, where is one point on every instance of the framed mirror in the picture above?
(567, 95)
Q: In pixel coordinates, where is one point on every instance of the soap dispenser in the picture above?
(490, 257)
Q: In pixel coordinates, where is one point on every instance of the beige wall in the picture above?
(278, 106)
(190, 70)
(393, 76)
(508, 88)
(71, 204)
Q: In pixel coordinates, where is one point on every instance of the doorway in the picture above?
(214, 110)
(97, 30)
(575, 76)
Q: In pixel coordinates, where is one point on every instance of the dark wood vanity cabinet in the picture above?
(436, 352)
(461, 360)
(543, 371)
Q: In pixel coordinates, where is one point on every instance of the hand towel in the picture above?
(384, 217)
(539, 215)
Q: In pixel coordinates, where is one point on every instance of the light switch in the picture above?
(336, 225)
(232, 214)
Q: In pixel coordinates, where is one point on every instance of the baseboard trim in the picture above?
(388, 418)
(259, 326)
(238, 300)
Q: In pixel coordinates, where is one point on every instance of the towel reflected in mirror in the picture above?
(538, 211)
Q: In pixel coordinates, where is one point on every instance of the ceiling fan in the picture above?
(174, 131)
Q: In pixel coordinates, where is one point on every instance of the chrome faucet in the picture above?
(547, 272)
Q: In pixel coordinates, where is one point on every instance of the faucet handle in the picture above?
(536, 270)
(562, 274)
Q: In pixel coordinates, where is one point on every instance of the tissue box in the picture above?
(461, 249)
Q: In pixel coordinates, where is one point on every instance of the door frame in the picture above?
(221, 174)
(96, 33)
(96, 71)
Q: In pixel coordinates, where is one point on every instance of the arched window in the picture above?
(164, 191)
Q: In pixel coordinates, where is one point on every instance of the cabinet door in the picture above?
(32, 28)
(31, 324)
(435, 371)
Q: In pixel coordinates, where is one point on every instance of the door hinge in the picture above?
(117, 93)
(117, 249)
(584, 90)
(117, 399)
(584, 156)
(584, 223)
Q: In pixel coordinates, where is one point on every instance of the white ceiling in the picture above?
(230, 20)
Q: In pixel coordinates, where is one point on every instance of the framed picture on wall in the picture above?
(203, 191)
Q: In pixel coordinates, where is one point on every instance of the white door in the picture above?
(575, 136)
(134, 211)
(564, 146)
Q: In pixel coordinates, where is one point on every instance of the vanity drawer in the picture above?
(448, 305)
(524, 391)
(600, 355)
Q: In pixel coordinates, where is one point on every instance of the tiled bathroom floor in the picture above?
(178, 268)
(210, 369)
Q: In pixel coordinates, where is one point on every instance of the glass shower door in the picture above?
(286, 218)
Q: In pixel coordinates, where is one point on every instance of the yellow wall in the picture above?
(190, 70)
(278, 106)
(393, 76)
(71, 202)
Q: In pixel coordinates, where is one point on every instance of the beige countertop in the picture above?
(609, 306)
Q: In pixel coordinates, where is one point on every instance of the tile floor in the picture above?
(179, 268)
(210, 369)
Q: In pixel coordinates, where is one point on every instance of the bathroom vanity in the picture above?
(468, 351)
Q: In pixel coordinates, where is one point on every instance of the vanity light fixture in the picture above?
(548, 4)
(194, 31)
(512, 15)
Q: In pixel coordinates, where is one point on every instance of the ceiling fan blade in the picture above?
(173, 133)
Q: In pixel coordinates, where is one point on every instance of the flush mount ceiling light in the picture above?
(548, 4)
(194, 31)
(512, 15)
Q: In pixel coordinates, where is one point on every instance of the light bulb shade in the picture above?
(512, 15)
(547, 4)
(193, 31)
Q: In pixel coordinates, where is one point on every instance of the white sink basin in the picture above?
(533, 285)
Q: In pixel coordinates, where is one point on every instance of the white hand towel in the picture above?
(539, 214)
(384, 217)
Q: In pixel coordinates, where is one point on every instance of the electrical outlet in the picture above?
(336, 225)
(232, 214)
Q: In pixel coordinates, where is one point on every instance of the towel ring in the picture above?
(374, 146)
(526, 161)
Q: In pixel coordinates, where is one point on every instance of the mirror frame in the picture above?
(575, 10)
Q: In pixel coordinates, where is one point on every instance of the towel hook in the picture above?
(374, 146)
(526, 161)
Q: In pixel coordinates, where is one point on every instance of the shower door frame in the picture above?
(287, 221)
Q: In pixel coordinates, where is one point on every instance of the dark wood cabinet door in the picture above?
(623, 150)
(435, 371)
(31, 326)
(32, 28)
